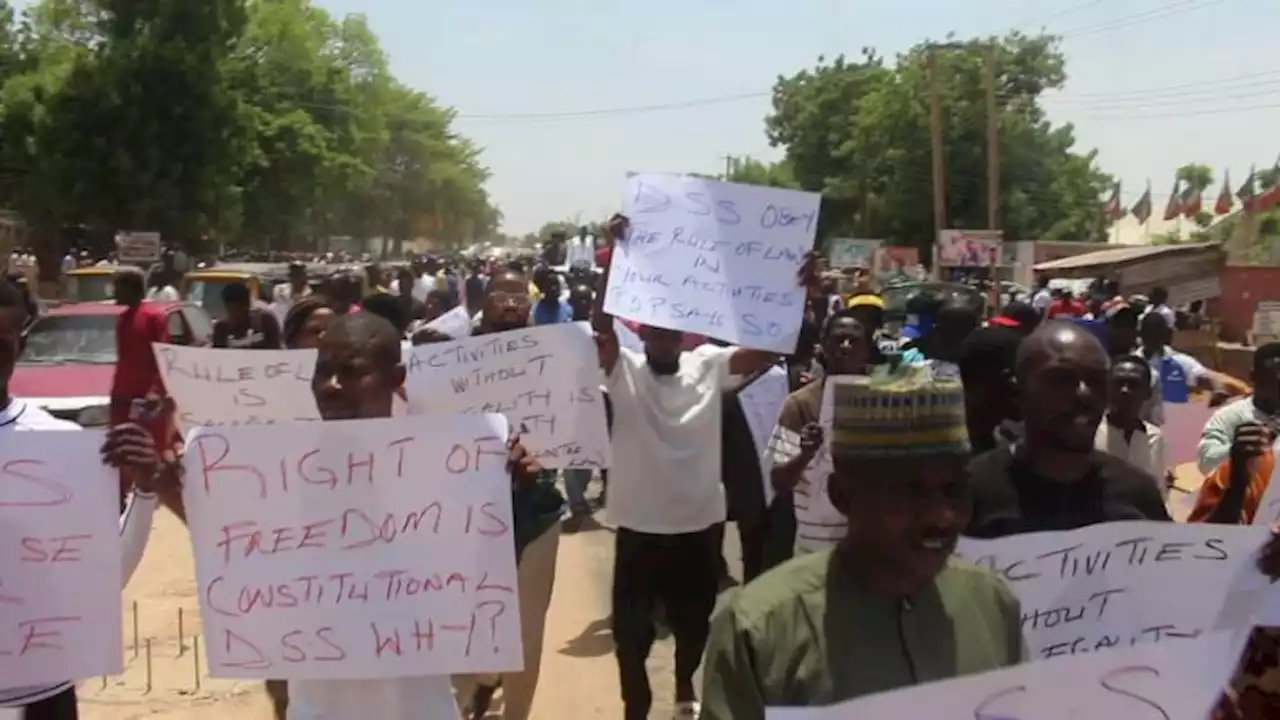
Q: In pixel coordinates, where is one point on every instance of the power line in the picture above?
(630, 110)
(1274, 75)
(1209, 90)
(1061, 13)
(1177, 8)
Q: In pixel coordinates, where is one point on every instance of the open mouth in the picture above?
(935, 547)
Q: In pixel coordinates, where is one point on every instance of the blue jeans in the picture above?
(575, 487)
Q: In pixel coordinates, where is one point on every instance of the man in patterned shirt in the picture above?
(800, 464)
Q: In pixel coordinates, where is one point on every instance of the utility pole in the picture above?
(939, 166)
(993, 142)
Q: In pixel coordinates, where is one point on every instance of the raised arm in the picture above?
(602, 323)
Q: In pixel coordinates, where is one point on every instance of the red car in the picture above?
(70, 356)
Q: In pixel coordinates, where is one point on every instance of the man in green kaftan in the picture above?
(889, 606)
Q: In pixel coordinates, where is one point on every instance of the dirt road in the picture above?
(579, 675)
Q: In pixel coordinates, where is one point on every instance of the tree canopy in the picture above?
(858, 131)
(259, 123)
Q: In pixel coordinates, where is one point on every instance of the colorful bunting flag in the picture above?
(1142, 209)
(1225, 200)
(1271, 196)
(1174, 208)
(1191, 201)
(1248, 193)
(1112, 208)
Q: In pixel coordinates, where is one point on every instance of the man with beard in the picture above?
(666, 495)
(797, 440)
(357, 375)
(889, 606)
(537, 507)
(1054, 479)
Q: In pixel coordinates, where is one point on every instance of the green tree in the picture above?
(146, 128)
(858, 131)
(754, 172)
(265, 123)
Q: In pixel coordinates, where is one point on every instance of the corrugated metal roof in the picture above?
(1119, 255)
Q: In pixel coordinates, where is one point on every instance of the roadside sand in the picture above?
(579, 676)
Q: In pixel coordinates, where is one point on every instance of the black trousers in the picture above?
(679, 570)
(59, 707)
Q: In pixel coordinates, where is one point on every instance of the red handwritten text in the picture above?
(341, 588)
(308, 468)
(27, 472)
(59, 549)
(353, 529)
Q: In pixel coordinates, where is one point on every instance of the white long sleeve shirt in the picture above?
(135, 528)
(1220, 431)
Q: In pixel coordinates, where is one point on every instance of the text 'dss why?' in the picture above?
(713, 258)
(60, 559)
(355, 549)
(546, 380)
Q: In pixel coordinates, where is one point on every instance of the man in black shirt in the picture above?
(246, 326)
(1054, 479)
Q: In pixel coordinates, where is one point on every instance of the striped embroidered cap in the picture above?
(897, 412)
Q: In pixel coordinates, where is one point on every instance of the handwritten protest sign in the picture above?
(761, 401)
(214, 387)
(1125, 583)
(59, 559)
(819, 525)
(356, 549)
(1268, 513)
(546, 380)
(1180, 682)
(456, 323)
(713, 258)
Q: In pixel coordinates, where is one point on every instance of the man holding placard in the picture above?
(127, 447)
(358, 371)
(666, 495)
(538, 507)
(888, 607)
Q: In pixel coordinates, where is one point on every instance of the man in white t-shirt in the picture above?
(127, 447)
(665, 491)
(284, 295)
(365, 349)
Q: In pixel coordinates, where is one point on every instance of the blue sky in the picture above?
(1153, 83)
(512, 57)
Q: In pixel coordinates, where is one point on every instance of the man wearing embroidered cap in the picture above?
(889, 607)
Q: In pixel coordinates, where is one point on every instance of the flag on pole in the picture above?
(1191, 201)
(1248, 193)
(1142, 209)
(1271, 196)
(1112, 208)
(1174, 208)
(1225, 199)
